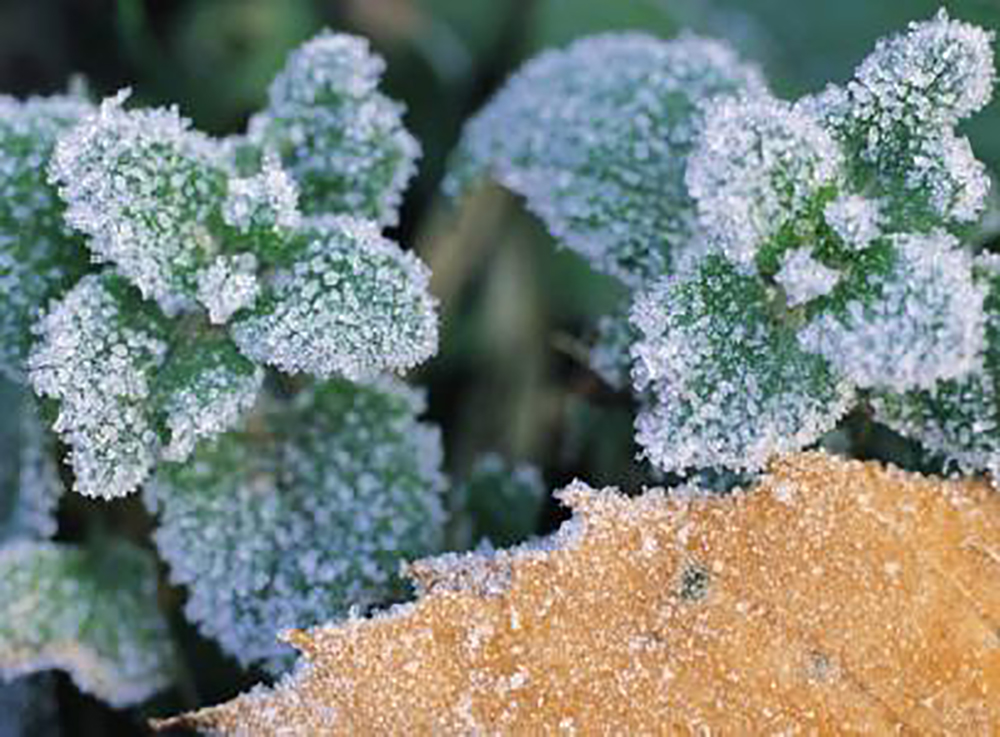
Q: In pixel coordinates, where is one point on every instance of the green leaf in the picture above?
(40, 256)
(204, 389)
(146, 189)
(920, 321)
(596, 139)
(91, 613)
(97, 353)
(294, 527)
(351, 304)
(728, 384)
(30, 486)
(342, 140)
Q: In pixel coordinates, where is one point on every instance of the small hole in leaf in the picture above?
(694, 582)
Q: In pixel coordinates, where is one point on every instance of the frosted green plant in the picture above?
(218, 321)
(788, 260)
(298, 526)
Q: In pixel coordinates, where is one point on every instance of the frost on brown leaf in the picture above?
(838, 596)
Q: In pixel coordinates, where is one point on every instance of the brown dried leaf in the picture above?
(838, 596)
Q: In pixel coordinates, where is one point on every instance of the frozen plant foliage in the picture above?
(854, 219)
(926, 323)
(610, 355)
(727, 385)
(91, 613)
(342, 140)
(144, 187)
(39, 255)
(596, 139)
(265, 205)
(353, 304)
(897, 117)
(29, 480)
(97, 351)
(293, 528)
(759, 163)
(228, 285)
(502, 500)
(804, 278)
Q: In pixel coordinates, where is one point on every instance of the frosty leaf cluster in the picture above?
(218, 322)
(787, 260)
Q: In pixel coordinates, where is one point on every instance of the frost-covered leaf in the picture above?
(39, 256)
(296, 526)
(836, 598)
(30, 486)
(91, 613)
(97, 352)
(728, 384)
(341, 139)
(759, 164)
(855, 219)
(351, 304)
(502, 500)
(803, 278)
(897, 119)
(263, 207)
(596, 139)
(227, 285)
(958, 419)
(146, 189)
(921, 322)
(204, 389)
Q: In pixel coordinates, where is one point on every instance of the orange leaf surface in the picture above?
(836, 596)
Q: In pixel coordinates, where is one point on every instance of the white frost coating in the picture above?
(92, 614)
(295, 529)
(758, 163)
(927, 324)
(902, 106)
(596, 137)
(609, 357)
(855, 219)
(211, 403)
(142, 184)
(267, 202)
(227, 285)
(727, 385)
(39, 254)
(353, 304)
(342, 141)
(97, 362)
(804, 278)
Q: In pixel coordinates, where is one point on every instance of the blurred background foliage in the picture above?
(517, 313)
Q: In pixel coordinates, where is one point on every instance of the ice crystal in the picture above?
(146, 189)
(353, 304)
(957, 418)
(39, 255)
(342, 140)
(924, 323)
(91, 613)
(228, 285)
(804, 278)
(97, 351)
(898, 115)
(728, 384)
(855, 220)
(264, 206)
(205, 389)
(29, 479)
(759, 163)
(294, 528)
(596, 139)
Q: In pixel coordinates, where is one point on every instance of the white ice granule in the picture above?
(804, 278)
(353, 304)
(228, 285)
(855, 219)
(759, 163)
(595, 138)
(925, 324)
(264, 204)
